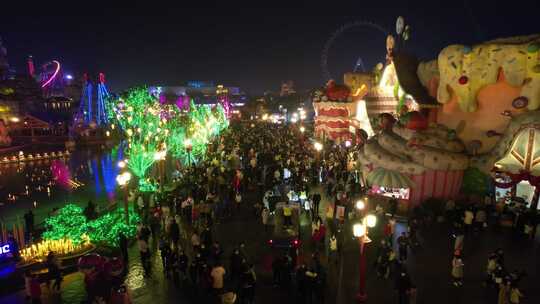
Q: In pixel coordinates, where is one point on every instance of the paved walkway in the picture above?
(429, 266)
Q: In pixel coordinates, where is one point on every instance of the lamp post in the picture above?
(123, 181)
(159, 156)
(360, 231)
(189, 146)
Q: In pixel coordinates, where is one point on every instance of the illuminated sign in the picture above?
(5, 249)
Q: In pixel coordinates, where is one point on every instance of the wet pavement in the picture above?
(429, 266)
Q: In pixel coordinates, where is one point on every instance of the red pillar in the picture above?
(361, 297)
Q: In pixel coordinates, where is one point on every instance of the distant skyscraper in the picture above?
(31, 69)
(4, 64)
(287, 88)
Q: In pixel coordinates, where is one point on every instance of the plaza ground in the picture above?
(429, 266)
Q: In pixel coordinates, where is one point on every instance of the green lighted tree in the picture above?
(151, 127)
(68, 223)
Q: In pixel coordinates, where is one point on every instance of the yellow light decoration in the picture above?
(38, 252)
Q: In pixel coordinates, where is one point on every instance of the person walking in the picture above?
(333, 250)
(53, 265)
(174, 232)
(217, 274)
(195, 242)
(35, 290)
(403, 286)
(165, 251)
(504, 293)
(144, 252)
(515, 295)
(265, 214)
(123, 244)
(316, 203)
(403, 245)
(249, 278)
(480, 219)
(389, 230)
(457, 269)
(468, 220)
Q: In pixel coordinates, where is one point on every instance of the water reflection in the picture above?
(91, 173)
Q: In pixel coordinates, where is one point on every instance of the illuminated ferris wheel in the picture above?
(337, 34)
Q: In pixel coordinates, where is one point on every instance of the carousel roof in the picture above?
(389, 178)
(524, 154)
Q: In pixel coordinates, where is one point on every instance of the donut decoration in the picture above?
(520, 102)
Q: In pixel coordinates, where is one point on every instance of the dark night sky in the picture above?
(252, 48)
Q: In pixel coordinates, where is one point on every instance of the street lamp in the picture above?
(360, 231)
(188, 144)
(121, 164)
(360, 205)
(318, 146)
(159, 156)
(302, 129)
(123, 181)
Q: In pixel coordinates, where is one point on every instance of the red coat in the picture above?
(388, 230)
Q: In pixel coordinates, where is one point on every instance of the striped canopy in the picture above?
(388, 178)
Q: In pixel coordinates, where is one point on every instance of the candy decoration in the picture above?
(463, 80)
(492, 133)
(400, 25)
(533, 47)
(520, 102)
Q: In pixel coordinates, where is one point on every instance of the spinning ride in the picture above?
(51, 79)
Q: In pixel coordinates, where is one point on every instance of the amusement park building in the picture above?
(202, 92)
(434, 127)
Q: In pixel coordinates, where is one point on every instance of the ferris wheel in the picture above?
(336, 34)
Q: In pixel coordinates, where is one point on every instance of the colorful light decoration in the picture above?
(56, 71)
(154, 128)
(71, 225)
(39, 251)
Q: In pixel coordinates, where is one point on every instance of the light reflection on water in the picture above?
(25, 185)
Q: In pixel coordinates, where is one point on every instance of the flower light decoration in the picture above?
(151, 127)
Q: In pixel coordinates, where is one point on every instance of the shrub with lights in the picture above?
(70, 223)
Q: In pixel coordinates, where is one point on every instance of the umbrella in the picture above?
(388, 178)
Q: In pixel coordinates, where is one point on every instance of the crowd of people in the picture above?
(250, 168)
(246, 160)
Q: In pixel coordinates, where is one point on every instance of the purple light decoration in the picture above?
(60, 173)
(182, 102)
(162, 99)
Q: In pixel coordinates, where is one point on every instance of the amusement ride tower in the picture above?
(92, 109)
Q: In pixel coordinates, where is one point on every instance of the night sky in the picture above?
(255, 49)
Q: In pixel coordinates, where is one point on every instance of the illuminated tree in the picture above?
(151, 127)
(68, 223)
